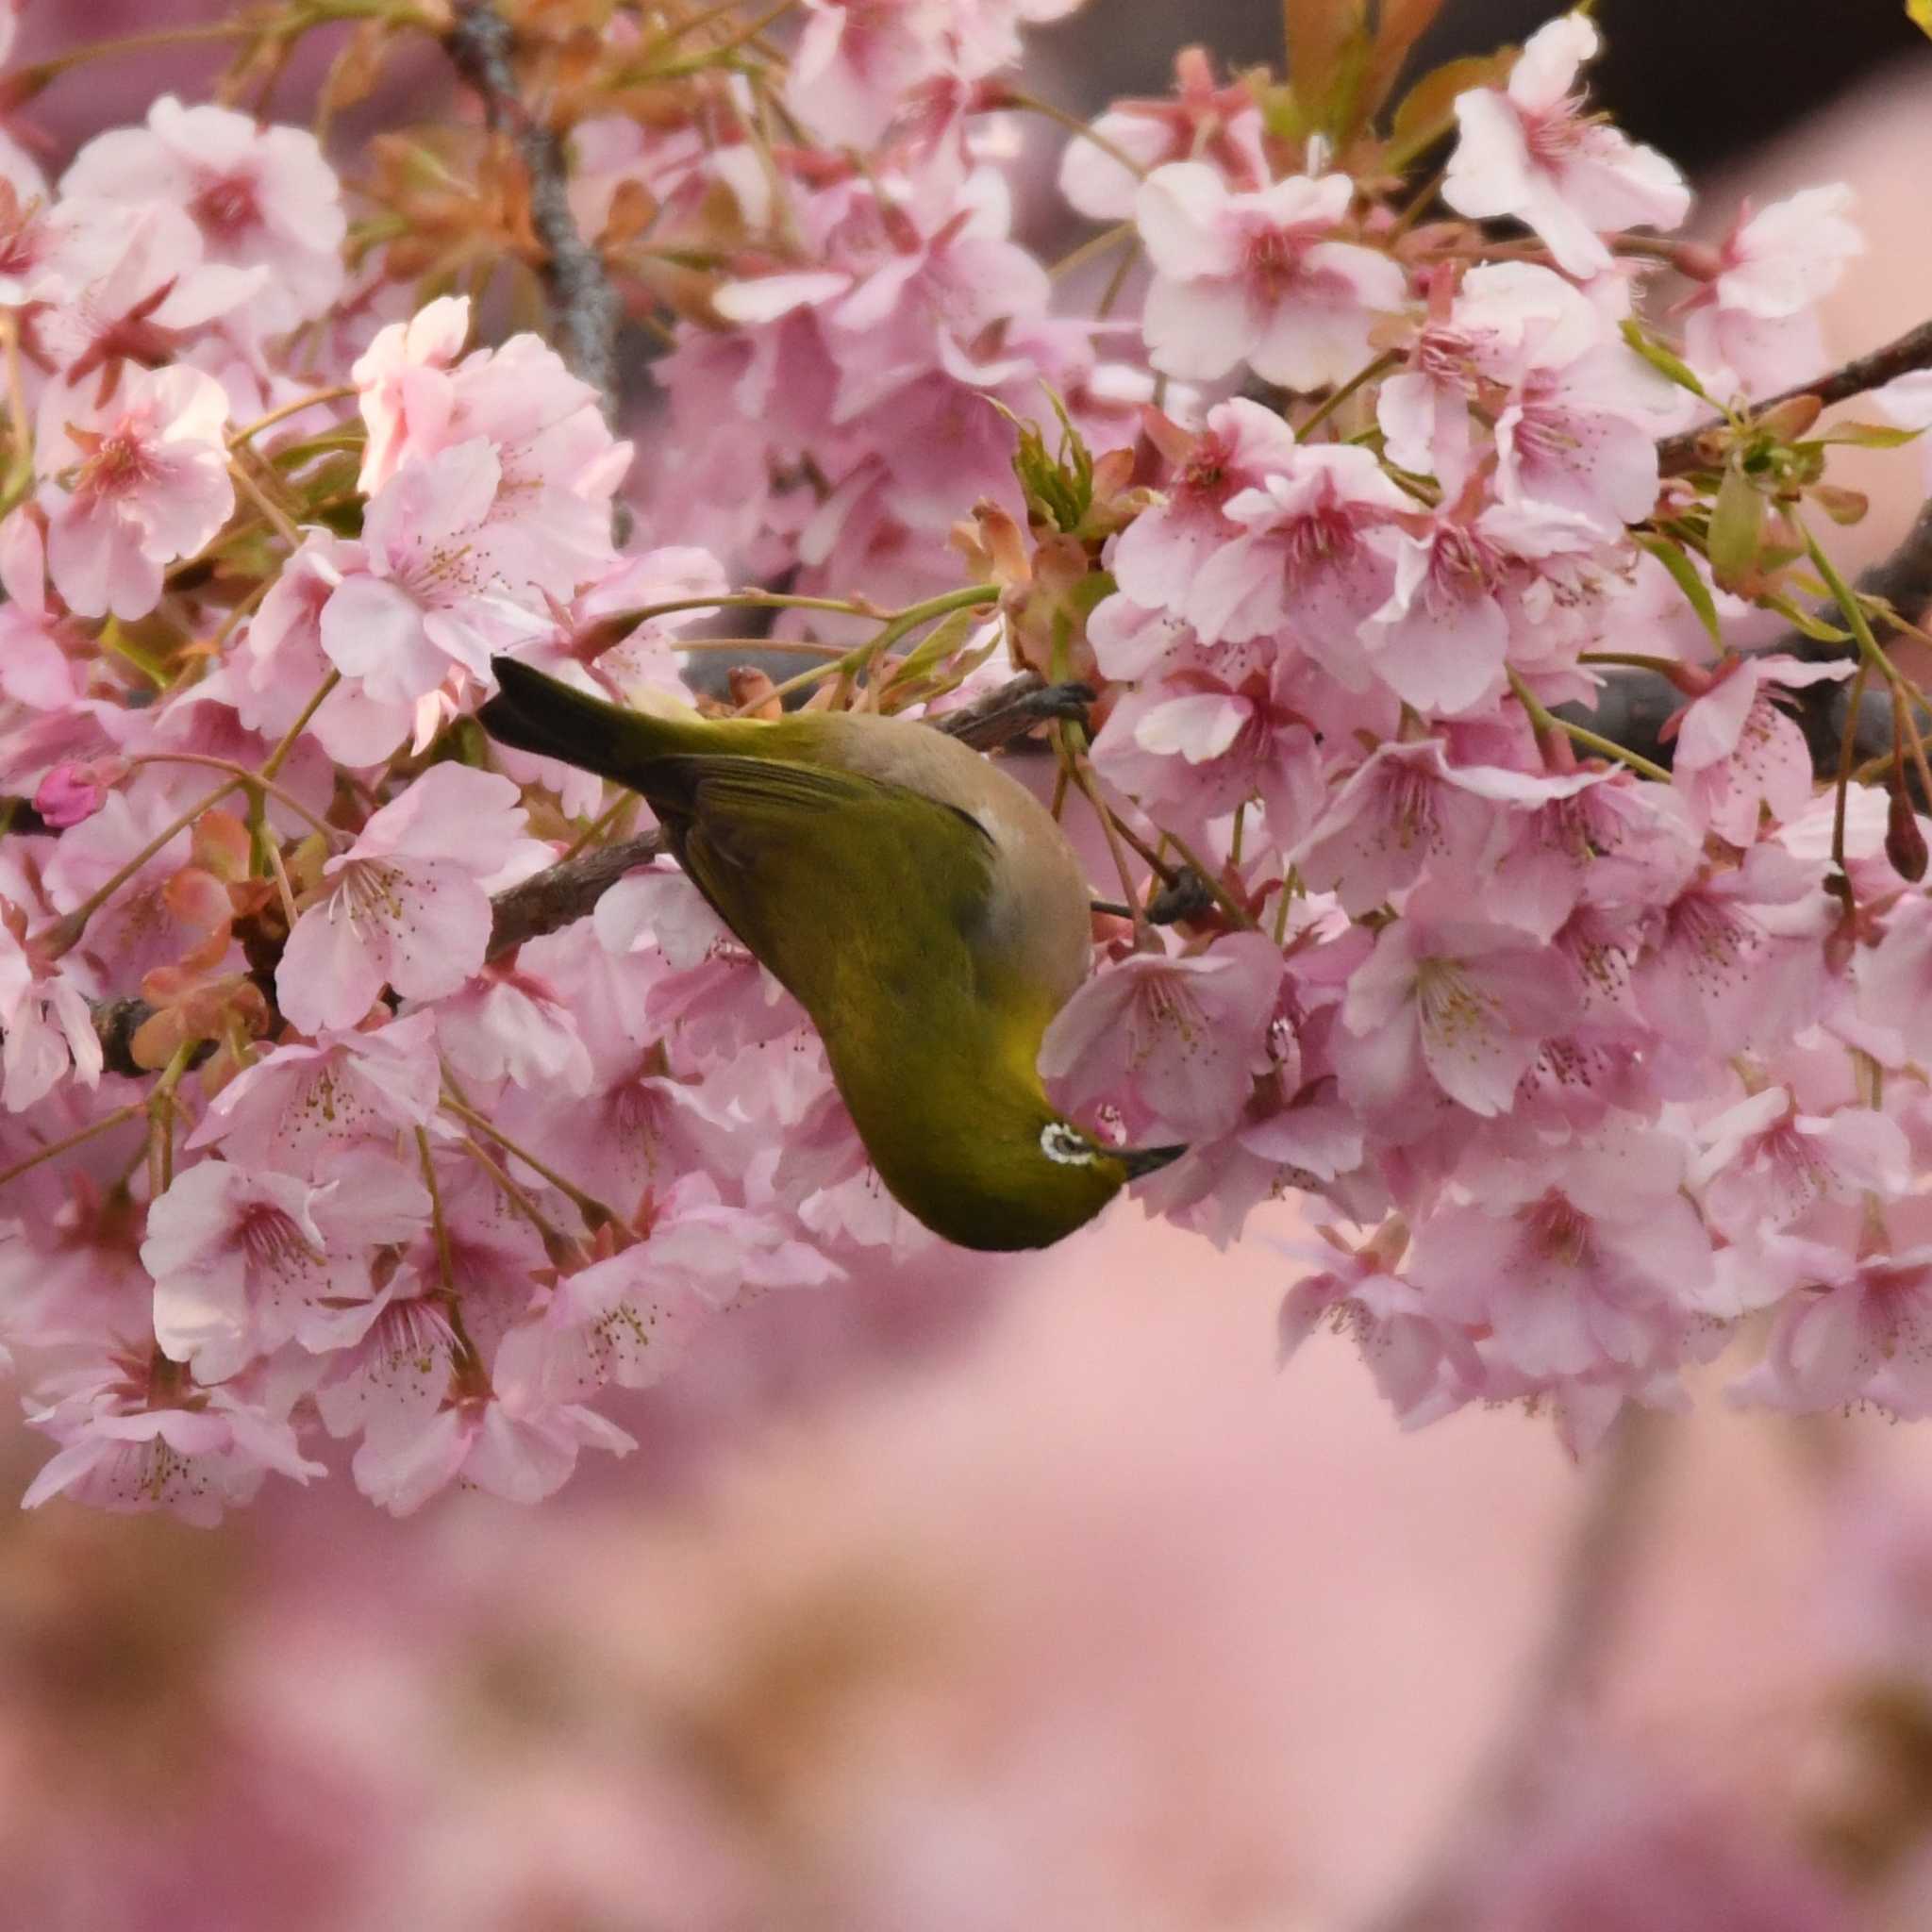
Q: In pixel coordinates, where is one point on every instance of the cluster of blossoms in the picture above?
(1601, 1061)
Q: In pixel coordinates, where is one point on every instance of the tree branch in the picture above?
(587, 311)
(1912, 350)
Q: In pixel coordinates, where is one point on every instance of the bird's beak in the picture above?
(1142, 1161)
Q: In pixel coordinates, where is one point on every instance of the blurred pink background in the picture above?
(985, 1599)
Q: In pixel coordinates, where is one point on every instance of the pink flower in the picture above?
(429, 599)
(1615, 840)
(1420, 1363)
(507, 1023)
(409, 905)
(263, 198)
(46, 1026)
(1174, 1041)
(1735, 751)
(1894, 977)
(135, 285)
(1255, 277)
(1462, 590)
(136, 1438)
(133, 485)
(1155, 557)
(1220, 126)
(1754, 327)
(242, 1259)
(856, 61)
(1210, 735)
(1315, 559)
(520, 1450)
(1587, 1257)
(404, 390)
(1406, 809)
(299, 1104)
(1762, 1164)
(1857, 1328)
(1455, 1008)
(1533, 154)
(281, 662)
(1738, 956)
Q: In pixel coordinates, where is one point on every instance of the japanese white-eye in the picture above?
(920, 904)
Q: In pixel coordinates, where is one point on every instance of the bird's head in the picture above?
(1053, 1178)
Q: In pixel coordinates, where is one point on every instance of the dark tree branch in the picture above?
(1632, 704)
(587, 308)
(561, 894)
(1017, 707)
(1912, 350)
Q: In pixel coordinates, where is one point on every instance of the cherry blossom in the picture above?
(262, 197)
(1531, 152)
(1258, 277)
(1172, 1040)
(1754, 326)
(132, 485)
(407, 905)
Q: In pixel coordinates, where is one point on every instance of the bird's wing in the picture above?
(852, 889)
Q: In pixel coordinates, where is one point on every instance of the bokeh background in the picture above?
(975, 1598)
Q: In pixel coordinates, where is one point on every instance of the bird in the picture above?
(922, 907)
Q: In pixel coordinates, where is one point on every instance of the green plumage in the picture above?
(920, 906)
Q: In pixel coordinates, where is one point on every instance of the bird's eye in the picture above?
(1066, 1144)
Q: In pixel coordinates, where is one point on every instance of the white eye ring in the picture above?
(1065, 1144)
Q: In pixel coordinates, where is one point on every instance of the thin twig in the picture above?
(586, 308)
(1912, 350)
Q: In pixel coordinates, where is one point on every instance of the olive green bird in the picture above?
(917, 902)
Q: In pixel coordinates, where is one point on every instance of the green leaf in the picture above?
(1802, 620)
(1425, 113)
(1736, 521)
(1319, 33)
(1665, 361)
(938, 644)
(1696, 591)
(1872, 435)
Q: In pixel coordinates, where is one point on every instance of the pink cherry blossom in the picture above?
(299, 1104)
(430, 600)
(132, 485)
(1737, 750)
(262, 197)
(1738, 956)
(135, 285)
(1754, 326)
(521, 1450)
(1155, 557)
(404, 390)
(1220, 126)
(1315, 558)
(1405, 807)
(407, 905)
(1420, 1362)
(1591, 1257)
(1258, 278)
(133, 1436)
(1455, 1008)
(1858, 1329)
(1764, 1164)
(47, 1030)
(1173, 1040)
(1531, 152)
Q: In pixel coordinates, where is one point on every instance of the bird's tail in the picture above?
(535, 714)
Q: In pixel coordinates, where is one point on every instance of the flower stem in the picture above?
(1546, 720)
